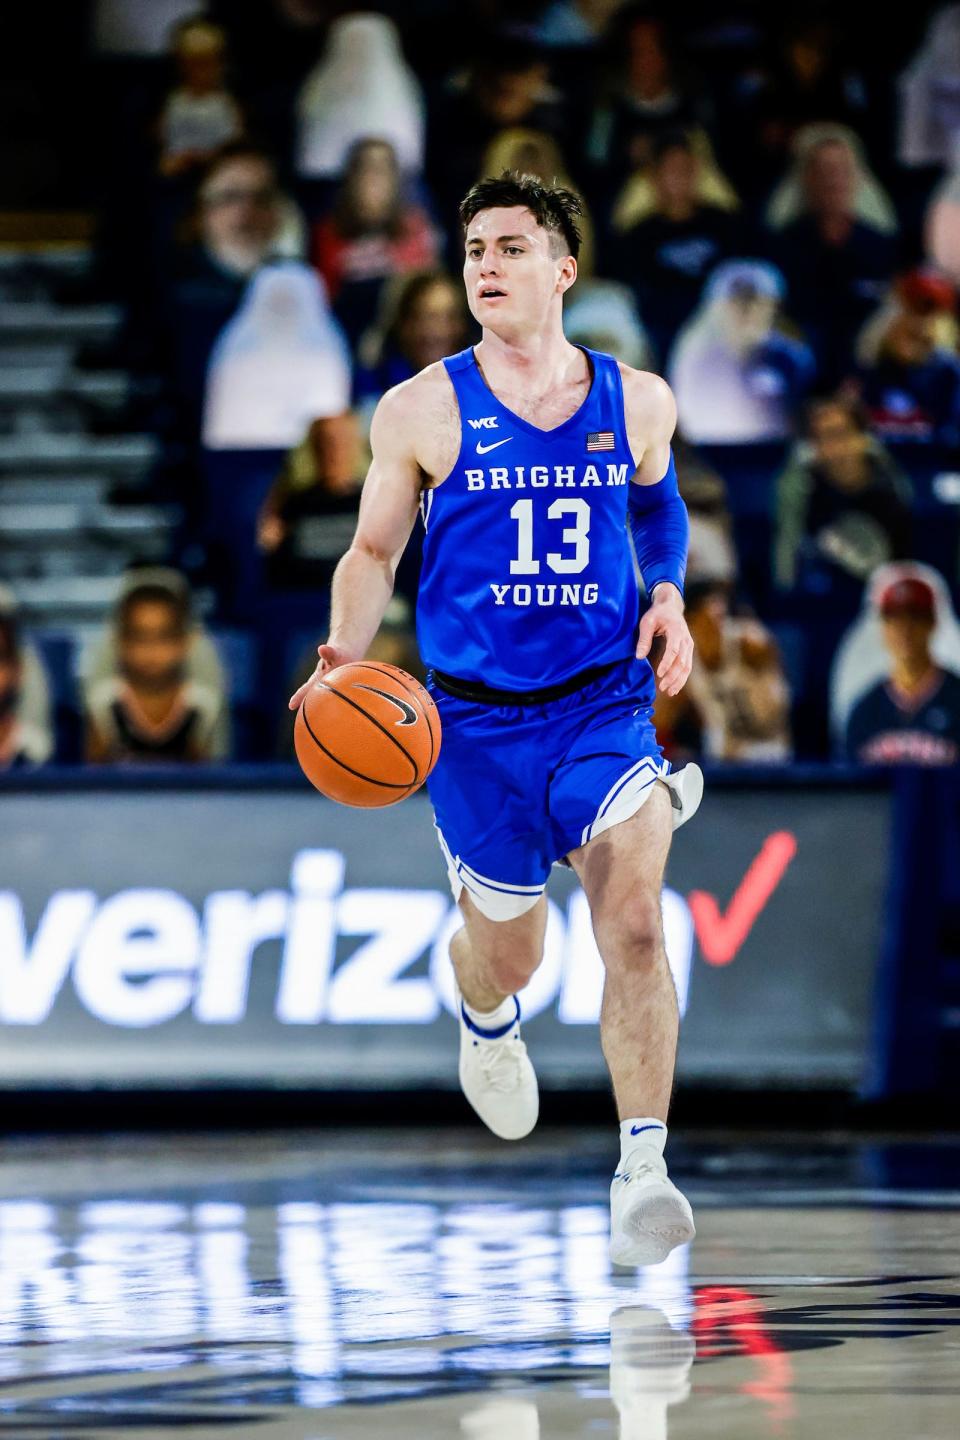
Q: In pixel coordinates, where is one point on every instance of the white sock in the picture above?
(647, 1130)
(504, 1014)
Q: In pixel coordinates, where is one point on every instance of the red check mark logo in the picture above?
(721, 935)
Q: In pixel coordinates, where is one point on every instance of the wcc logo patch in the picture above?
(489, 422)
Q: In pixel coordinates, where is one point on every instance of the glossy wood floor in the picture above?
(410, 1286)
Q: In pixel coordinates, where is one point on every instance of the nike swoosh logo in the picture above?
(483, 449)
(404, 706)
(639, 1129)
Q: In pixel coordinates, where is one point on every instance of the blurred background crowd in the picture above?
(228, 229)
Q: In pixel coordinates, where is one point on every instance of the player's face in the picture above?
(511, 272)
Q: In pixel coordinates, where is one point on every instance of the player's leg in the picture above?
(621, 870)
(493, 959)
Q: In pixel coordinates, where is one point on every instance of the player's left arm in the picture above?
(658, 522)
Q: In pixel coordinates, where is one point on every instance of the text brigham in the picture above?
(539, 477)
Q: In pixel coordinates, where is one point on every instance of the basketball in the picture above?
(367, 734)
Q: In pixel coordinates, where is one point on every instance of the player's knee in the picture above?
(510, 973)
(632, 937)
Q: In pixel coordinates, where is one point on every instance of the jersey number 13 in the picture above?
(577, 535)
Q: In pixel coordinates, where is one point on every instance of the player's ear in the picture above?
(567, 273)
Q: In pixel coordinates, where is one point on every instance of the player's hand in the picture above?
(665, 618)
(330, 658)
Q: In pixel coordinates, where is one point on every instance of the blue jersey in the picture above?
(528, 573)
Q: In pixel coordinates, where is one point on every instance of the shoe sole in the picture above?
(649, 1233)
(686, 796)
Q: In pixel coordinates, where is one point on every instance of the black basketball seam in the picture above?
(382, 728)
(386, 784)
(382, 670)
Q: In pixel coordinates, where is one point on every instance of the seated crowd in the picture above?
(770, 223)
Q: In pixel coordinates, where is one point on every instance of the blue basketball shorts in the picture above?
(517, 787)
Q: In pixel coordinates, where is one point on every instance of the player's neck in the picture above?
(545, 358)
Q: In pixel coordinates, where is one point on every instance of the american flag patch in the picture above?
(600, 440)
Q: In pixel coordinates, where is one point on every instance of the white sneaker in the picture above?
(498, 1079)
(648, 1215)
(686, 792)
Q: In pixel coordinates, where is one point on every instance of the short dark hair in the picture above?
(552, 206)
(232, 151)
(153, 594)
(849, 404)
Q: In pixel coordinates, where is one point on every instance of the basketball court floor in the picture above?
(411, 1285)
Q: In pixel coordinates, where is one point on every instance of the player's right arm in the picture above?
(363, 580)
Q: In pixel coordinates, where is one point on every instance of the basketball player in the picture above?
(528, 458)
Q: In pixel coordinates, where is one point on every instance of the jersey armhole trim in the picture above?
(620, 401)
(451, 364)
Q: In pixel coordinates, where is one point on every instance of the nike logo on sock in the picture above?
(485, 449)
(639, 1129)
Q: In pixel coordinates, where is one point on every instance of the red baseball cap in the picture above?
(926, 290)
(908, 596)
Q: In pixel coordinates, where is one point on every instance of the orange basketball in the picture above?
(367, 734)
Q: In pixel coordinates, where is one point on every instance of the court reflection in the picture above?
(298, 1294)
(332, 1305)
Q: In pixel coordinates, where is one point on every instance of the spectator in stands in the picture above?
(929, 110)
(239, 221)
(423, 318)
(34, 698)
(361, 86)
(533, 152)
(842, 501)
(372, 233)
(200, 115)
(149, 710)
(913, 716)
(736, 374)
(280, 363)
(203, 665)
(736, 704)
(648, 94)
(506, 85)
(310, 514)
(22, 742)
(666, 255)
(908, 375)
(862, 659)
(834, 241)
(810, 77)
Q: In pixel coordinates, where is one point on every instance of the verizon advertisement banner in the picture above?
(266, 937)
